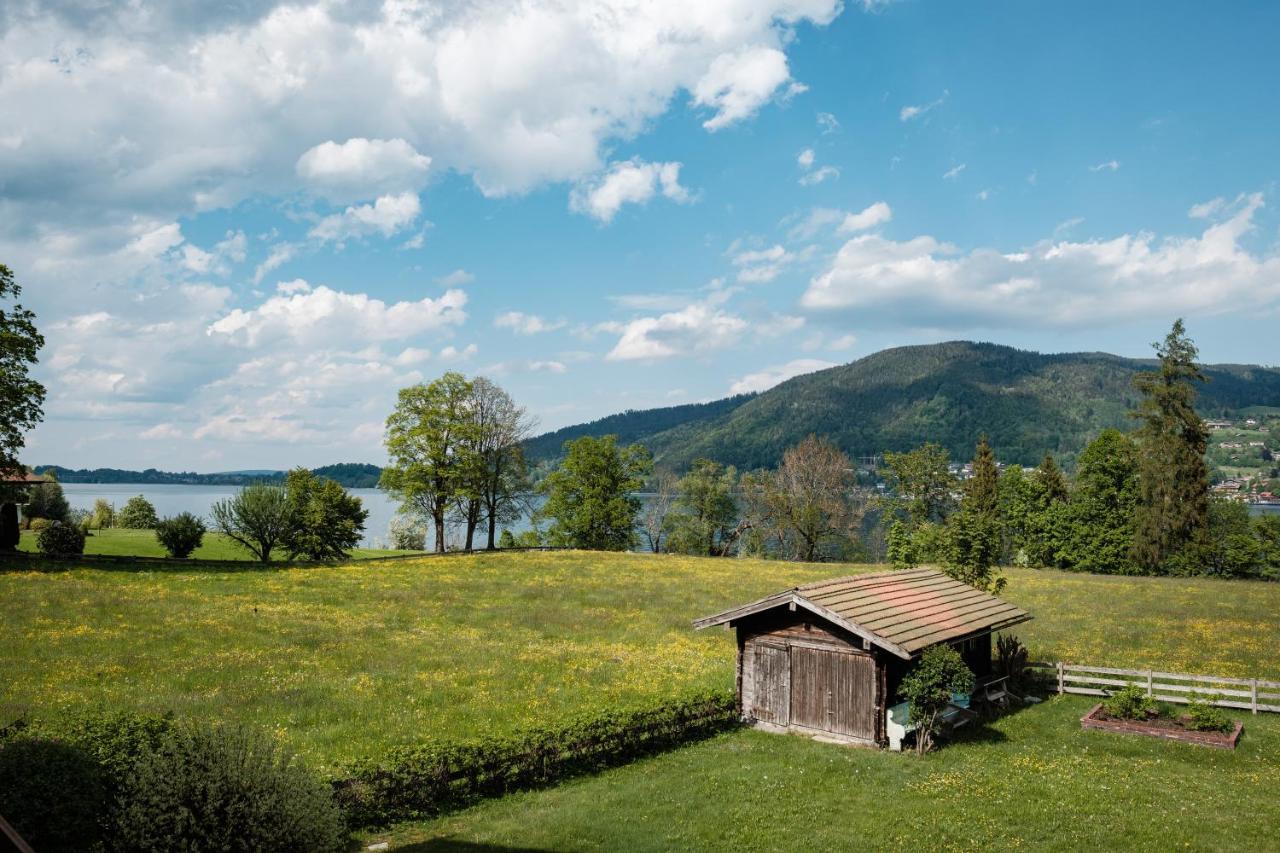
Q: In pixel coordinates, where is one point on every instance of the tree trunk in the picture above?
(437, 515)
(493, 526)
(473, 518)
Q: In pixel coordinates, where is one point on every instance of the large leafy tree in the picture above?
(257, 519)
(324, 521)
(591, 497)
(499, 491)
(1027, 504)
(1173, 479)
(1093, 531)
(921, 484)
(704, 518)
(433, 442)
(21, 397)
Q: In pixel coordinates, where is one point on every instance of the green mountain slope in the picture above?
(1027, 403)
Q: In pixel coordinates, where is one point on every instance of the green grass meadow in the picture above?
(121, 542)
(344, 661)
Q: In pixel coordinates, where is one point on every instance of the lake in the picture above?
(197, 500)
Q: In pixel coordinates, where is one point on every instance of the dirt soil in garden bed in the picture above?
(1165, 727)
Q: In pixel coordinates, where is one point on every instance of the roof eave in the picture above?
(790, 597)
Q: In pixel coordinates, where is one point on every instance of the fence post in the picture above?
(1061, 685)
(1253, 694)
(1149, 673)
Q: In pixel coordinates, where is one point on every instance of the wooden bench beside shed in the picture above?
(826, 658)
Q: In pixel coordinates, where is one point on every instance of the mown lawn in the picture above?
(117, 541)
(1030, 780)
(345, 661)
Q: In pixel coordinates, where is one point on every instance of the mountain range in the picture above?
(1027, 404)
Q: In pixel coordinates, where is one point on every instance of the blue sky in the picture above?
(244, 227)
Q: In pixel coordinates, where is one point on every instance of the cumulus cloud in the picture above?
(806, 158)
(386, 216)
(924, 282)
(457, 278)
(526, 324)
(908, 113)
(806, 161)
(629, 182)
(762, 265)
(362, 168)
(279, 255)
(765, 379)
(739, 83)
(695, 328)
(321, 314)
(876, 214)
(828, 123)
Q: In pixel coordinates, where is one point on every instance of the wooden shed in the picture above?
(826, 658)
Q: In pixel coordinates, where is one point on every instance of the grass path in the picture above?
(1032, 780)
(345, 661)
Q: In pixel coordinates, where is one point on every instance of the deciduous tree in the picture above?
(591, 497)
(21, 397)
(257, 518)
(325, 522)
(1093, 531)
(705, 517)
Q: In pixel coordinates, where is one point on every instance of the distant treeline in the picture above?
(351, 475)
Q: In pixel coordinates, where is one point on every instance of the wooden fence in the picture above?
(1249, 694)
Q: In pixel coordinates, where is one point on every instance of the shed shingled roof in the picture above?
(903, 612)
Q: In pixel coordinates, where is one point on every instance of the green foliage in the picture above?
(324, 522)
(61, 540)
(138, 514)
(926, 544)
(974, 543)
(1204, 716)
(506, 540)
(408, 534)
(1129, 703)
(225, 788)
(180, 535)
(21, 397)
(53, 793)
(1173, 482)
(1011, 660)
(921, 484)
(421, 781)
(1093, 531)
(46, 500)
(928, 687)
(590, 497)
(257, 519)
(433, 443)
(1229, 548)
(705, 513)
(104, 514)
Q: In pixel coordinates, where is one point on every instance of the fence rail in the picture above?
(1248, 694)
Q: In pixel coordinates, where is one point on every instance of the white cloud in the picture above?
(954, 172)
(1109, 166)
(386, 216)
(363, 168)
(843, 342)
(693, 329)
(873, 215)
(323, 314)
(1207, 209)
(279, 255)
(628, 182)
(761, 265)
(297, 285)
(909, 113)
(805, 160)
(925, 283)
(819, 175)
(547, 366)
(452, 353)
(828, 123)
(771, 376)
(739, 83)
(526, 324)
(982, 195)
(457, 278)
(161, 431)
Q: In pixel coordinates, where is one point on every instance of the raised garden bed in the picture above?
(1160, 727)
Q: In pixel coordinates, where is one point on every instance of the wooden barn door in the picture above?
(833, 691)
(771, 694)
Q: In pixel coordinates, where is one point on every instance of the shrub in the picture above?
(53, 793)
(60, 540)
(408, 534)
(38, 524)
(1129, 703)
(506, 540)
(422, 781)
(104, 514)
(928, 688)
(1011, 660)
(180, 535)
(225, 788)
(1203, 716)
(138, 514)
(257, 519)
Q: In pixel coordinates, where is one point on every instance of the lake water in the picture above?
(197, 500)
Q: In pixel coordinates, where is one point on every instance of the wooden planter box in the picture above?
(1222, 740)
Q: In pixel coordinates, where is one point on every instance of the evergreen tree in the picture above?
(1053, 483)
(1173, 479)
(973, 533)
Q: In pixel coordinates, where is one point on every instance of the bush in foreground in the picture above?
(937, 676)
(60, 540)
(1129, 703)
(53, 793)
(180, 535)
(228, 789)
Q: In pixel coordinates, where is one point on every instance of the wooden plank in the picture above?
(11, 835)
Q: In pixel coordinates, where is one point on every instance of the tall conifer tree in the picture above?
(1173, 478)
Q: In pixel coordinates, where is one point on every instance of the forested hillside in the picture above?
(1026, 402)
(351, 475)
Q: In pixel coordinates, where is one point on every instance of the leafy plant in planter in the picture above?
(1204, 716)
(1129, 703)
(929, 686)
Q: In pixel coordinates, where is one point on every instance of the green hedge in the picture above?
(423, 781)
